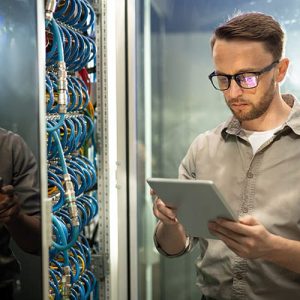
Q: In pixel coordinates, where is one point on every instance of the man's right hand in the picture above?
(164, 213)
(170, 234)
(9, 206)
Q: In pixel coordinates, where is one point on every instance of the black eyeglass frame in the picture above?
(234, 76)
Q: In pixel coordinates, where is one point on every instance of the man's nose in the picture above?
(234, 90)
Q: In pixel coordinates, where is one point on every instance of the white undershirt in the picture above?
(257, 138)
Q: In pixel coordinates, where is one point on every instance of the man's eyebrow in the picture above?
(244, 70)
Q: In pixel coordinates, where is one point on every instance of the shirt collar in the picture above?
(233, 126)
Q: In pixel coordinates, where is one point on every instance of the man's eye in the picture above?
(222, 79)
(248, 80)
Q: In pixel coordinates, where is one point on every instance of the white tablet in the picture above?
(197, 202)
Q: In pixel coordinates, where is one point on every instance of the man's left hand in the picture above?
(247, 238)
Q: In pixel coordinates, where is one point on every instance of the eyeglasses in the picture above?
(247, 80)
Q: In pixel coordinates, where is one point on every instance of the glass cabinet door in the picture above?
(175, 102)
(21, 82)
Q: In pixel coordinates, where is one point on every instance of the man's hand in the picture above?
(164, 213)
(170, 234)
(247, 238)
(24, 229)
(9, 207)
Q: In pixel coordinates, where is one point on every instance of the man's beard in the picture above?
(256, 110)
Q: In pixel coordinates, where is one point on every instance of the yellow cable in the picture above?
(61, 4)
(91, 109)
(52, 190)
(83, 264)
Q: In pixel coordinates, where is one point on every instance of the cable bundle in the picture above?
(77, 96)
(71, 151)
(79, 50)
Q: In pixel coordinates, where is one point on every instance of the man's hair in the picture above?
(253, 26)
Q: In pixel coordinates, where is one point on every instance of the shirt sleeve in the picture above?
(189, 245)
(25, 176)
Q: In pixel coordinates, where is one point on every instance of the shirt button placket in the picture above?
(240, 267)
(238, 288)
(239, 276)
(249, 174)
(245, 210)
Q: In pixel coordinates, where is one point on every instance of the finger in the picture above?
(5, 205)
(230, 243)
(163, 218)
(216, 228)
(167, 211)
(10, 214)
(248, 220)
(162, 212)
(2, 196)
(6, 201)
(156, 211)
(152, 192)
(236, 227)
(7, 189)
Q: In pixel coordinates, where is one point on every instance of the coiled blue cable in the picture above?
(57, 125)
(67, 43)
(73, 97)
(59, 176)
(62, 238)
(60, 152)
(83, 215)
(91, 13)
(61, 9)
(55, 289)
(87, 284)
(73, 20)
(64, 245)
(80, 290)
(90, 166)
(78, 89)
(66, 136)
(57, 38)
(60, 203)
(87, 171)
(81, 182)
(87, 207)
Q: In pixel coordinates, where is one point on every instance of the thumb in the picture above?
(248, 220)
(152, 192)
(7, 189)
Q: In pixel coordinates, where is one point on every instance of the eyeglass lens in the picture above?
(243, 80)
(247, 80)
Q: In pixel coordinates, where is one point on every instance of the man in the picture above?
(19, 207)
(254, 159)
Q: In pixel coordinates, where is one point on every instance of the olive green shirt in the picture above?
(265, 185)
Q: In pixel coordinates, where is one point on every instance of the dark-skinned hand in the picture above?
(9, 206)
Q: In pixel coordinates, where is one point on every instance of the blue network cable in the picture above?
(70, 127)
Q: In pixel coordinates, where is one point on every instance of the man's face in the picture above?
(240, 56)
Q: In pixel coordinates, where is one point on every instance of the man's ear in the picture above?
(282, 69)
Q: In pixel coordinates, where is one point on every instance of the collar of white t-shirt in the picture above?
(257, 138)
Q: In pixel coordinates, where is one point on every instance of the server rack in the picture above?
(109, 263)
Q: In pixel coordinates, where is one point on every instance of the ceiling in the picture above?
(203, 15)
